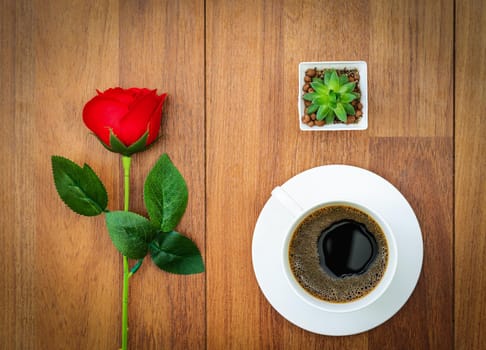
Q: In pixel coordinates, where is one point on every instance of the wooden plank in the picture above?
(421, 169)
(17, 226)
(61, 288)
(162, 46)
(77, 270)
(470, 171)
(254, 144)
(410, 68)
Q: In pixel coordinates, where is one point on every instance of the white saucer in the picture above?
(337, 183)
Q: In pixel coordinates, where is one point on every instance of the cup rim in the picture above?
(359, 303)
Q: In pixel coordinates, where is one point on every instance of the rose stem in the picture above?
(126, 169)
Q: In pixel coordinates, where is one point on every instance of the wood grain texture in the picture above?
(62, 282)
(259, 146)
(162, 47)
(410, 65)
(470, 171)
(77, 271)
(230, 126)
(256, 146)
(17, 221)
(420, 168)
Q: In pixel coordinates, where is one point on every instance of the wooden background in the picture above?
(230, 125)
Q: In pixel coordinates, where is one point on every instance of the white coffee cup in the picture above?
(299, 214)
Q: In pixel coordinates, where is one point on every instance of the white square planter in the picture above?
(363, 85)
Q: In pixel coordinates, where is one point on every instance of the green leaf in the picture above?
(80, 188)
(137, 266)
(175, 253)
(322, 112)
(322, 100)
(333, 81)
(332, 100)
(312, 108)
(130, 233)
(347, 97)
(118, 146)
(349, 109)
(165, 194)
(340, 112)
(310, 96)
(327, 76)
(343, 79)
(330, 117)
(348, 87)
(320, 88)
(139, 145)
(332, 97)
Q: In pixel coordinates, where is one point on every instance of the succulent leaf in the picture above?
(330, 117)
(327, 77)
(349, 109)
(333, 81)
(322, 112)
(323, 100)
(332, 97)
(312, 108)
(347, 97)
(320, 88)
(310, 96)
(340, 112)
(348, 87)
(343, 79)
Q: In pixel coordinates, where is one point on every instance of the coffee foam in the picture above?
(304, 257)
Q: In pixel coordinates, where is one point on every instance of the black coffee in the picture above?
(338, 253)
(346, 248)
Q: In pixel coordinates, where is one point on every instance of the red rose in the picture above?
(125, 120)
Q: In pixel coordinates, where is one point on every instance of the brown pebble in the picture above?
(351, 79)
(306, 118)
(359, 113)
(351, 119)
(307, 103)
(310, 90)
(313, 116)
(310, 72)
(307, 79)
(311, 123)
(359, 105)
(320, 122)
(306, 87)
(354, 103)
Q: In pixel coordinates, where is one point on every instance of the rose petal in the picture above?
(135, 123)
(124, 96)
(154, 125)
(140, 92)
(101, 114)
(140, 95)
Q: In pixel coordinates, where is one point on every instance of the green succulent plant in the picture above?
(332, 97)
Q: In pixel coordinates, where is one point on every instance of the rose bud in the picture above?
(125, 120)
